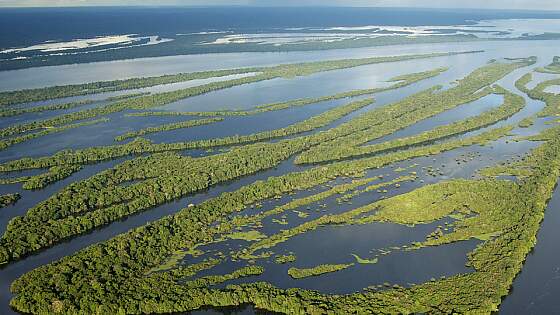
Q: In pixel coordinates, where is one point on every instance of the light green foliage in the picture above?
(125, 96)
(496, 171)
(284, 259)
(553, 68)
(171, 262)
(213, 280)
(185, 233)
(426, 204)
(298, 273)
(551, 100)
(527, 122)
(363, 261)
(281, 221)
(374, 187)
(521, 83)
(249, 236)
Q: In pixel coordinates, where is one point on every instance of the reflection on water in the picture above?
(102, 71)
(460, 112)
(535, 290)
(335, 245)
(323, 245)
(553, 89)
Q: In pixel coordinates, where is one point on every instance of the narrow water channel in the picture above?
(535, 289)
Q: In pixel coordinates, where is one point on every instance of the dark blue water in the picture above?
(20, 27)
(181, 27)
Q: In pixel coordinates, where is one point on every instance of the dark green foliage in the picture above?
(9, 199)
(99, 202)
(54, 174)
(167, 127)
(7, 112)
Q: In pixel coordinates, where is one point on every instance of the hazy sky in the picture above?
(488, 4)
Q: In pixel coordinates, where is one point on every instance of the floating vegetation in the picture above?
(175, 258)
(8, 200)
(301, 214)
(281, 221)
(249, 236)
(527, 122)
(347, 197)
(284, 259)
(363, 261)
(424, 205)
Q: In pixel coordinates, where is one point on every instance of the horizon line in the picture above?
(269, 6)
